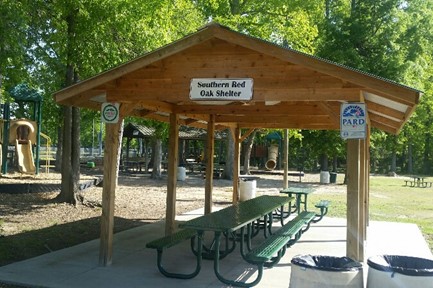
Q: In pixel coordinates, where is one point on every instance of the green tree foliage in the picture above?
(13, 45)
(389, 38)
(289, 23)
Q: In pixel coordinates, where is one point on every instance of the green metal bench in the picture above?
(168, 241)
(323, 206)
(275, 244)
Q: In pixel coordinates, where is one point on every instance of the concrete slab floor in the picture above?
(135, 266)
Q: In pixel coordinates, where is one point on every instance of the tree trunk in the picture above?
(335, 163)
(353, 6)
(75, 152)
(410, 158)
(71, 129)
(327, 9)
(426, 158)
(324, 162)
(247, 154)
(393, 161)
(66, 154)
(59, 151)
(157, 159)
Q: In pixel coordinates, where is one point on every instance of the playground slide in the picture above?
(24, 153)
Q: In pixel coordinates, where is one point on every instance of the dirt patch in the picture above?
(139, 200)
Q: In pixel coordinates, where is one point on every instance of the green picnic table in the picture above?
(301, 195)
(229, 220)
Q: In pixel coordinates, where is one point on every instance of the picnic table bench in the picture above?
(168, 241)
(277, 243)
(301, 195)
(418, 181)
(299, 174)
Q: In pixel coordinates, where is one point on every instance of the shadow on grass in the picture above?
(37, 242)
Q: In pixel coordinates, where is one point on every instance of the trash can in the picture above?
(324, 177)
(181, 173)
(247, 189)
(333, 177)
(325, 271)
(399, 271)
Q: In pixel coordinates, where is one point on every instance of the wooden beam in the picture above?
(289, 94)
(80, 99)
(289, 125)
(397, 96)
(353, 191)
(210, 149)
(236, 163)
(272, 119)
(384, 120)
(335, 117)
(248, 133)
(125, 110)
(113, 135)
(159, 106)
(362, 191)
(286, 158)
(255, 108)
(367, 185)
(383, 127)
(379, 109)
(170, 224)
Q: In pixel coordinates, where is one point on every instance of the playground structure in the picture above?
(274, 140)
(22, 133)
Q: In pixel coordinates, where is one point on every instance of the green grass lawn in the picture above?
(391, 201)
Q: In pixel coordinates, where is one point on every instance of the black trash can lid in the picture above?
(407, 265)
(327, 263)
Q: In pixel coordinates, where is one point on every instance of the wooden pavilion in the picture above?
(290, 90)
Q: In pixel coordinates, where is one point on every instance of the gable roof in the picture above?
(291, 89)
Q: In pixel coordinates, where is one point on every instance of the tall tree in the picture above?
(78, 39)
(14, 43)
(247, 153)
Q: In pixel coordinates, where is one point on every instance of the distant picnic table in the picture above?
(418, 181)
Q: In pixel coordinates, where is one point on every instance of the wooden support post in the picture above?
(361, 196)
(210, 149)
(367, 185)
(353, 191)
(113, 136)
(286, 158)
(236, 163)
(173, 145)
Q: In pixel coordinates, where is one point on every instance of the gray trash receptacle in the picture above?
(332, 177)
(325, 271)
(399, 271)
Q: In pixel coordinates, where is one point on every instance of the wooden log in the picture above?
(170, 215)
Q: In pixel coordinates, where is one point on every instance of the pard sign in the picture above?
(221, 89)
(353, 121)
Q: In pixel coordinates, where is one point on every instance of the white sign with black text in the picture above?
(353, 123)
(221, 89)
